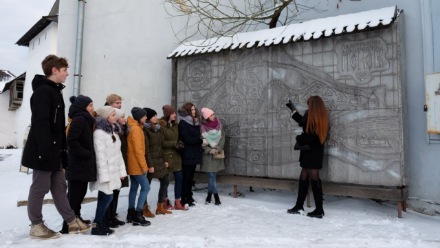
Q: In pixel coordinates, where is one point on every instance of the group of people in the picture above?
(103, 150)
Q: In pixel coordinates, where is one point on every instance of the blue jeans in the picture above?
(178, 176)
(145, 188)
(103, 203)
(212, 182)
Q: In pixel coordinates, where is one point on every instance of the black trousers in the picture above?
(76, 192)
(163, 189)
(187, 181)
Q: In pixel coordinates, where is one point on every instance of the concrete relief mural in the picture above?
(360, 59)
(357, 78)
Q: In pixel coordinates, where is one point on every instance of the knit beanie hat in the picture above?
(119, 113)
(206, 112)
(168, 110)
(138, 113)
(105, 111)
(150, 113)
(80, 101)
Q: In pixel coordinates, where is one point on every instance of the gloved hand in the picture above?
(180, 145)
(290, 105)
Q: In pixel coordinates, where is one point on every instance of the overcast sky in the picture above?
(17, 17)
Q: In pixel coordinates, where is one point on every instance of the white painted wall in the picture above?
(42, 45)
(7, 123)
(125, 48)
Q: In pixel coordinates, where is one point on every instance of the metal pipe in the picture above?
(78, 50)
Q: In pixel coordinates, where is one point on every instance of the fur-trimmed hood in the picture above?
(103, 124)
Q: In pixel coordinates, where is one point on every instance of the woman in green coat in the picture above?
(171, 143)
(212, 133)
(157, 166)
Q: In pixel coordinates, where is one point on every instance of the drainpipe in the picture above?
(78, 50)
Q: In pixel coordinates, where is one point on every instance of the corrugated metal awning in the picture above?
(313, 29)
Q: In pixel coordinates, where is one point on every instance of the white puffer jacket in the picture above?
(109, 161)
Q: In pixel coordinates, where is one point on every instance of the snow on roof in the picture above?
(5, 76)
(313, 29)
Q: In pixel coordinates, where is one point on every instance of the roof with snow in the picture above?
(5, 76)
(313, 29)
(8, 84)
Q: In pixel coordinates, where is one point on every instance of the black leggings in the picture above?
(188, 177)
(76, 192)
(163, 189)
(312, 174)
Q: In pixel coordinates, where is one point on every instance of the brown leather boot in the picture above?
(178, 206)
(161, 209)
(146, 211)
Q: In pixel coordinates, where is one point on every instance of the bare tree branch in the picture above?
(209, 18)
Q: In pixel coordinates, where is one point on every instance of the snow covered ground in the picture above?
(257, 220)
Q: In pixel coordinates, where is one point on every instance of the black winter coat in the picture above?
(45, 148)
(311, 159)
(191, 138)
(81, 153)
(123, 137)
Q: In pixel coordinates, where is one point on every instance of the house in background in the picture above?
(125, 45)
(8, 120)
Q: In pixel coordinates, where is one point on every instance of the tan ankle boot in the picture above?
(77, 226)
(146, 211)
(161, 209)
(41, 231)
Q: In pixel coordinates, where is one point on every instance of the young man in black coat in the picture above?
(45, 150)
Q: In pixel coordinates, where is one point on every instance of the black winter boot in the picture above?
(130, 215)
(114, 208)
(217, 199)
(108, 218)
(317, 194)
(138, 219)
(65, 228)
(190, 201)
(102, 229)
(208, 198)
(303, 187)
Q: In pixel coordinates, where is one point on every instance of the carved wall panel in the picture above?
(357, 75)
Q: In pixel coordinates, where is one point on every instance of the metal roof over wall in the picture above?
(313, 29)
(40, 25)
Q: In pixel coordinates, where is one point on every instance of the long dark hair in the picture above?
(187, 107)
(317, 120)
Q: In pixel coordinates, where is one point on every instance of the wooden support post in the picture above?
(235, 193)
(399, 209)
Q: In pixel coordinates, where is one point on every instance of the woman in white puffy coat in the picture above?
(110, 165)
